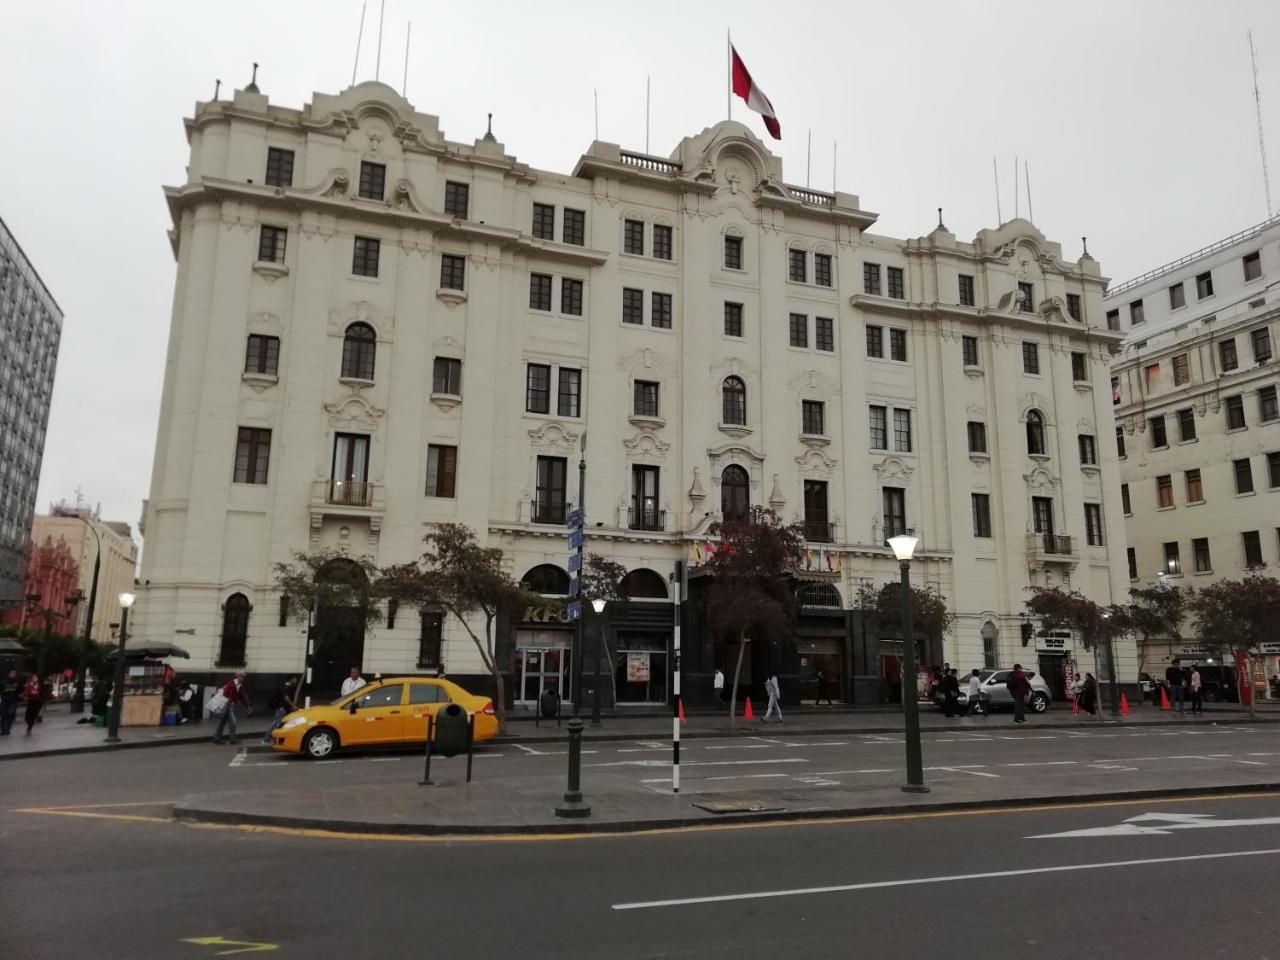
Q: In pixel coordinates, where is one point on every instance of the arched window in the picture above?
(734, 393)
(235, 630)
(1035, 432)
(548, 580)
(990, 638)
(815, 593)
(359, 345)
(643, 584)
(735, 493)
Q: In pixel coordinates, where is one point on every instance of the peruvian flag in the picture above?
(746, 88)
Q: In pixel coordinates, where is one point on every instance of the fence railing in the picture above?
(645, 162)
(646, 518)
(349, 493)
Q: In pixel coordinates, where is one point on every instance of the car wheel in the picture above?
(1039, 702)
(320, 743)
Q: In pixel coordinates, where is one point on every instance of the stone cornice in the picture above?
(1036, 322)
(1206, 335)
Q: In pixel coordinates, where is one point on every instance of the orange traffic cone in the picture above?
(680, 708)
(1124, 705)
(1164, 699)
(748, 714)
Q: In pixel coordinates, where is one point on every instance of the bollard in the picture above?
(471, 739)
(426, 773)
(572, 805)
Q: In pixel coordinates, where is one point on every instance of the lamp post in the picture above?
(598, 606)
(117, 686)
(77, 700)
(573, 805)
(903, 547)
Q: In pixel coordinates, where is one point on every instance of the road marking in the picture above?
(1045, 763)
(736, 776)
(1218, 756)
(781, 743)
(967, 769)
(384, 759)
(739, 746)
(694, 763)
(1163, 823)
(529, 750)
(241, 946)
(953, 878)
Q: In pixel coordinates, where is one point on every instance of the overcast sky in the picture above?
(1137, 119)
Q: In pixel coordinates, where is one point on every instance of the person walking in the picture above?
(823, 692)
(34, 692)
(1174, 678)
(774, 692)
(233, 693)
(353, 682)
(10, 694)
(1089, 694)
(281, 704)
(717, 686)
(98, 702)
(949, 686)
(1197, 704)
(975, 691)
(1018, 688)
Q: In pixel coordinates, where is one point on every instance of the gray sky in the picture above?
(1137, 119)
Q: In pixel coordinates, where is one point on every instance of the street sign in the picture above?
(574, 519)
(575, 539)
(575, 609)
(575, 563)
(575, 585)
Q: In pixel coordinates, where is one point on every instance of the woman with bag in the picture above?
(232, 695)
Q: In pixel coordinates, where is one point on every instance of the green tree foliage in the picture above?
(326, 579)
(1237, 614)
(930, 615)
(1059, 609)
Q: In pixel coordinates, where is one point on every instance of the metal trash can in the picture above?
(549, 704)
(452, 731)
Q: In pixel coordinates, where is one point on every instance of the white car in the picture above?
(995, 692)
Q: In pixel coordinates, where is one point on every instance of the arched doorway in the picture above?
(544, 639)
(340, 623)
(735, 493)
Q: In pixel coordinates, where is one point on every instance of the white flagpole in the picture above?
(808, 159)
(995, 172)
(646, 114)
(595, 96)
(728, 94)
(834, 147)
(404, 87)
(359, 37)
(1016, 209)
(377, 69)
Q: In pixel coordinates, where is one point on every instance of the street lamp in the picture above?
(573, 805)
(117, 687)
(903, 547)
(598, 606)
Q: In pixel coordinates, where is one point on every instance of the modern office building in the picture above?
(30, 329)
(376, 329)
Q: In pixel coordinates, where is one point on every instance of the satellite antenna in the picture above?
(1262, 144)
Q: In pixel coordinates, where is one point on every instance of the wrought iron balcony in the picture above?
(349, 493)
(547, 510)
(646, 518)
(819, 531)
(1055, 544)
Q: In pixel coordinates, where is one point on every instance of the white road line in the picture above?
(694, 763)
(836, 773)
(1219, 756)
(975, 773)
(384, 759)
(919, 881)
(736, 776)
(739, 746)
(1045, 763)
(781, 743)
(529, 750)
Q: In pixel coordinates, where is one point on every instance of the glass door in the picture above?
(542, 669)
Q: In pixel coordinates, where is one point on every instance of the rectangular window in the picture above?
(645, 514)
(817, 529)
(1088, 450)
(1177, 297)
(279, 167)
(662, 241)
(897, 289)
(902, 430)
(1227, 354)
(982, 515)
(1136, 316)
(1120, 442)
(798, 265)
(453, 272)
(1195, 490)
(364, 256)
(430, 639)
(1079, 368)
(1115, 391)
(1200, 553)
(813, 417)
(1026, 298)
(1252, 266)
(1042, 515)
(969, 350)
(569, 393)
(373, 180)
(1133, 563)
(1113, 319)
(539, 291)
(544, 221)
(660, 311)
(645, 398)
(271, 244)
(1204, 286)
(733, 253)
(457, 199)
(966, 290)
(1125, 502)
(1152, 373)
(1235, 413)
(446, 376)
(633, 237)
(537, 388)
(977, 436)
(1273, 469)
(1244, 475)
(1181, 370)
(1261, 341)
(574, 227)
(1159, 438)
(1030, 357)
(262, 354)
(571, 296)
(871, 278)
(1172, 561)
(632, 305)
(1252, 549)
(549, 490)
(879, 421)
(442, 471)
(822, 269)
(253, 451)
(799, 330)
(732, 319)
(897, 344)
(1164, 491)
(875, 341)
(1186, 425)
(824, 333)
(895, 512)
(1073, 305)
(1093, 524)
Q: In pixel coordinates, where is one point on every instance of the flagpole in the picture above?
(834, 147)
(728, 93)
(646, 114)
(808, 159)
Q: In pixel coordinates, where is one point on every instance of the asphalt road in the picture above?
(78, 886)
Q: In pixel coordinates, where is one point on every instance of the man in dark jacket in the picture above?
(1019, 688)
(10, 693)
(950, 687)
(1174, 677)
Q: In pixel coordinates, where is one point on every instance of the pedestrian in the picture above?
(98, 702)
(717, 685)
(233, 693)
(353, 683)
(1197, 704)
(1174, 678)
(949, 684)
(1089, 694)
(1018, 688)
(281, 704)
(34, 692)
(10, 693)
(774, 693)
(823, 692)
(975, 691)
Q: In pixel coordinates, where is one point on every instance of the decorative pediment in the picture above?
(892, 469)
(1035, 401)
(336, 183)
(553, 437)
(1040, 479)
(404, 196)
(362, 311)
(729, 451)
(812, 385)
(645, 445)
(816, 463)
(976, 411)
(644, 358)
(354, 409)
(1084, 425)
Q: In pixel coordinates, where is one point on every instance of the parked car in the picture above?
(996, 695)
(388, 712)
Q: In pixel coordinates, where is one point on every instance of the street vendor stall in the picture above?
(145, 681)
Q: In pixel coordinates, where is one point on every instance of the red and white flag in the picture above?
(747, 89)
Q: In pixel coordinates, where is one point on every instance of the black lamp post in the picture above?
(601, 648)
(903, 547)
(573, 805)
(117, 686)
(77, 699)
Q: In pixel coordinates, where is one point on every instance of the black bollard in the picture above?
(573, 805)
(426, 773)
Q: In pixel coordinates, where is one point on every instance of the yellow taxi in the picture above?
(388, 712)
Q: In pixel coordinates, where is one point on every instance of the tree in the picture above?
(601, 579)
(325, 579)
(930, 615)
(1237, 614)
(1155, 612)
(750, 572)
(1060, 609)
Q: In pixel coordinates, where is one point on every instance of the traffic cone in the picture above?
(680, 708)
(1124, 705)
(1164, 699)
(748, 714)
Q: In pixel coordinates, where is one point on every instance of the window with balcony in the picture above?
(633, 237)
(817, 525)
(871, 278)
(279, 167)
(569, 393)
(895, 512)
(733, 396)
(1042, 516)
(1159, 438)
(262, 354)
(632, 306)
(365, 252)
(235, 631)
(645, 398)
(735, 493)
(442, 470)
(457, 199)
(373, 180)
(544, 221)
(822, 269)
(879, 422)
(1195, 487)
(798, 266)
(253, 453)
(453, 272)
(446, 376)
(1252, 549)
(348, 483)
(549, 490)
(539, 291)
(732, 319)
(1227, 358)
(537, 390)
(1177, 297)
(1088, 450)
(1200, 555)
(969, 350)
(813, 417)
(645, 514)
(902, 431)
(359, 349)
(574, 228)
(733, 253)
(1164, 491)
(1035, 433)
(1243, 470)
(1235, 412)
(966, 290)
(271, 244)
(1172, 560)
(981, 515)
(977, 436)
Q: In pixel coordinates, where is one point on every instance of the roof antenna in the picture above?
(253, 82)
(995, 172)
(941, 225)
(359, 37)
(488, 134)
(1084, 242)
(1026, 170)
(404, 86)
(1262, 144)
(217, 88)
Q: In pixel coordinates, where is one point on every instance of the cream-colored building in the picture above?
(83, 531)
(376, 329)
(1197, 416)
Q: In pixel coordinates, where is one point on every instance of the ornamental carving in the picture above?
(644, 357)
(816, 463)
(1040, 479)
(812, 385)
(892, 469)
(646, 446)
(405, 197)
(354, 410)
(553, 437)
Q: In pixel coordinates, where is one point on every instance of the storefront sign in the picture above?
(546, 614)
(1270, 648)
(1242, 674)
(637, 668)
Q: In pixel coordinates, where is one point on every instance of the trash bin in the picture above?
(452, 728)
(549, 704)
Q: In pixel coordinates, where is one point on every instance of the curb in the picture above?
(249, 735)
(193, 814)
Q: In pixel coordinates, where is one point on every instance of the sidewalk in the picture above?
(59, 733)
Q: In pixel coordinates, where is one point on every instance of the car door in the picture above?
(378, 717)
(996, 689)
(425, 698)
